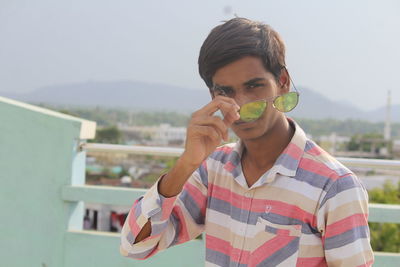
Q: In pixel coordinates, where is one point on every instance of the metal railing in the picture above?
(136, 150)
(176, 152)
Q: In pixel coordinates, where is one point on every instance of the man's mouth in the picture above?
(240, 122)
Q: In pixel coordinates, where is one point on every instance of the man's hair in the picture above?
(237, 38)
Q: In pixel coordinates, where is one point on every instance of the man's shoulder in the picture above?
(336, 177)
(317, 158)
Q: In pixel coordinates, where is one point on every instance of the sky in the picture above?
(345, 50)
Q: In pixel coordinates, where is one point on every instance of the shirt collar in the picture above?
(286, 164)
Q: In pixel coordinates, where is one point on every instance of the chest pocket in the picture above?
(275, 244)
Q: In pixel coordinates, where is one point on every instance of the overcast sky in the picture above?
(345, 50)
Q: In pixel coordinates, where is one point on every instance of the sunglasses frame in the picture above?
(273, 98)
(266, 101)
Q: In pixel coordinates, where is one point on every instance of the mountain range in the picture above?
(135, 95)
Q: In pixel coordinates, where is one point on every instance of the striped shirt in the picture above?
(307, 210)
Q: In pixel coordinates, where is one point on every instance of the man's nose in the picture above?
(241, 99)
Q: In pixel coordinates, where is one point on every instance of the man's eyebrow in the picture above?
(228, 87)
(254, 80)
(222, 87)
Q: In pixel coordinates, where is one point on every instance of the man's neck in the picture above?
(264, 151)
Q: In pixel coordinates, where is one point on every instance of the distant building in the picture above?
(126, 181)
(136, 172)
(396, 148)
(387, 129)
(162, 135)
(333, 142)
(107, 218)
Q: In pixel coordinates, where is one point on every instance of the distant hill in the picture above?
(316, 106)
(148, 96)
(123, 94)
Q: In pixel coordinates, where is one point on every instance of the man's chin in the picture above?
(248, 133)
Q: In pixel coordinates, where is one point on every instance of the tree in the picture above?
(385, 236)
(109, 135)
(365, 142)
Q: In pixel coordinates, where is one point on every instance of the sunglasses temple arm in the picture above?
(294, 86)
(290, 78)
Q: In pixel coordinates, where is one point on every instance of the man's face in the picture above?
(246, 80)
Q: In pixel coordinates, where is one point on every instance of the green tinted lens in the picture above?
(252, 111)
(286, 102)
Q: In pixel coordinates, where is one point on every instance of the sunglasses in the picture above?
(253, 110)
(284, 103)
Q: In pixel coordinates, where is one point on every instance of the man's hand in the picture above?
(206, 131)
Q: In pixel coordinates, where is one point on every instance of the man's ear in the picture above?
(284, 81)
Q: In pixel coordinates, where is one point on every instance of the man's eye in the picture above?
(224, 92)
(252, 86)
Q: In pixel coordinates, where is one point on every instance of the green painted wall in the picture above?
(37, 158)
(101, 249)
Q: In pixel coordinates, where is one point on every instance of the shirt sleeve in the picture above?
(173, 220)
(343, 223)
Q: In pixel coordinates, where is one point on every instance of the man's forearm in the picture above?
(144, 233)
(172, 183)
(169, 186)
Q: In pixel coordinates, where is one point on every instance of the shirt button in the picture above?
(247, 194)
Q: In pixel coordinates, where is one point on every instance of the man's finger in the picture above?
(209, 132)
(230, 118)
(223, 103)
(213, 121)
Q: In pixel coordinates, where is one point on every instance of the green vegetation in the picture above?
(106, 117)
(151, 178)
(156, 118)
(108, 135)
(169, 163)
(364, 142)
(344, 127)
(385, 236)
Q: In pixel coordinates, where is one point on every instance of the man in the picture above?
(274, 197)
